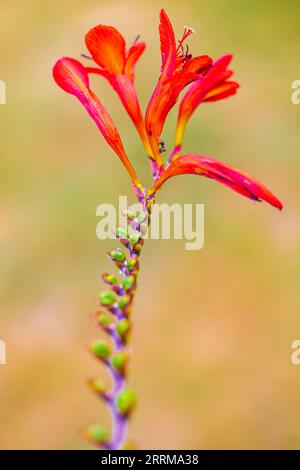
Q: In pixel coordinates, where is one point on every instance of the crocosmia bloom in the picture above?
(203, 80)
(200, 79)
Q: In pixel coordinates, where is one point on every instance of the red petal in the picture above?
(107, 47)
(133, 55)
(222, 91)
(167, 45)
(199, 65)
(199, 90)
(162, 101)
(72, 77)
(235, 179)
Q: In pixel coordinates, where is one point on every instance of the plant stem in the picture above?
(120, 400)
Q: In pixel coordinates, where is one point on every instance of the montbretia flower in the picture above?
(214, 86)
(108, 49)
(204, 80)
(178, 69)
(72, 77)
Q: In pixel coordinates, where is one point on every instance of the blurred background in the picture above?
(213, 328)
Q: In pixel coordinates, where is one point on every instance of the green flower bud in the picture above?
(129, 213)
(104, 319)
(125, 401)
(101, 348)
(127, 282)
(123, 301)
(118, 361)
(122, 327)
(107, 298)
(131, 263)
(97, 386)
(118, 255)
(110, 279)
(122, 233)
(134, 238)
(97, 433)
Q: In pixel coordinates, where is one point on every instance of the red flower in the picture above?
(208, 81)
(214, 86)
(72, 77)
(225, 174)
(108, 49)
(178, 70)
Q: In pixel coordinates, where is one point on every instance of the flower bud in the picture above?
(97, 386)
(118, 361)
(107, 298)
(138, 247)
(123, 302)
(131, 263)
(129, 213)
(127, 282)
(125, 401)
(97, 434)
(101, 348)
(117, 255)
(134, 238)
(122, 233)
(122, 328)
(110, 279)
(104, 320)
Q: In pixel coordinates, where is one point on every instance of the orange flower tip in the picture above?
(107, 47)
(71, 76)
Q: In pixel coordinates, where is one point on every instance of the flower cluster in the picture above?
(206, 81)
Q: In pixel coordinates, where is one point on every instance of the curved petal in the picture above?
(133, 55)
(226, 174)
(178, 70)
(72, 77)
(198, 91)
(167, 45)
(163, 100)
(107, 47)
(124, 87)
(222, 91)
(200, 65)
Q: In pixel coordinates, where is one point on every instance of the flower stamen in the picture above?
(187, 31)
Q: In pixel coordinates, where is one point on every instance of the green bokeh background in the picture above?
(213, 328)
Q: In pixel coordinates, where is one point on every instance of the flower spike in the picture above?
(72, 77)
(208, 81)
